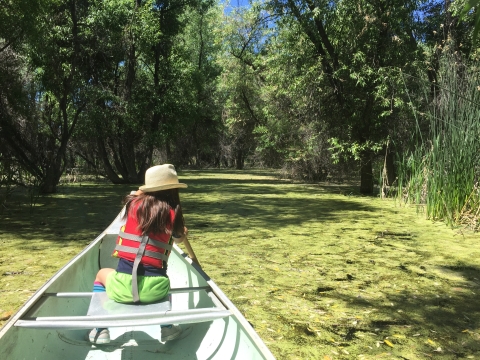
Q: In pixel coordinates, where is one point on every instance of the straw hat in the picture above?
(161, 177)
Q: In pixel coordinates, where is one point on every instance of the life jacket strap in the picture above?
(151, 241)
(152, 254)
(140, 253)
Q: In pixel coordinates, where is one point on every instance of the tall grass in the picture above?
(442, 170)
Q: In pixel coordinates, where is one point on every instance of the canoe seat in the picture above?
(105, 313)
(102, 305)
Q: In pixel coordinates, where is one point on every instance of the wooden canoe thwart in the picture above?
(55, 321)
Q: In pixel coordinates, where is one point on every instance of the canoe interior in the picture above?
(228, 338)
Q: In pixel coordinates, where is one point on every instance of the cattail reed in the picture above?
(443, 170)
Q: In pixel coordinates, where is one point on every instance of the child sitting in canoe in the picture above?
(154, 221)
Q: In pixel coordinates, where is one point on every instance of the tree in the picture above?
(472, 5)
(54, 48)
(196, 138)
(356, 44)
(18, 146)
(242, 76)
(139, 83)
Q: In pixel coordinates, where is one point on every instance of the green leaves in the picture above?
(472, 6)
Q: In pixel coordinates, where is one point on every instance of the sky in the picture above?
(237, 2)
(233, 4)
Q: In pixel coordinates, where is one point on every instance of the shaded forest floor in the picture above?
(319, 271)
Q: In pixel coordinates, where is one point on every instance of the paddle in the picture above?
(190, 251)
(189, 248)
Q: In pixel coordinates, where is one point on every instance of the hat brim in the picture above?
(147, 188)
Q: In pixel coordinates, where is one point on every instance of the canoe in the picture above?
(54, 322)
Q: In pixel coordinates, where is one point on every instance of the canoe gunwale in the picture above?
(220, 295)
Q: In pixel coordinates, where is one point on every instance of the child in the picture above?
(154, 220)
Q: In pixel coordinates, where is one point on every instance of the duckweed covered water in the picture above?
(319, 271)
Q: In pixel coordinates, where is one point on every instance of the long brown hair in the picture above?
(153, 211)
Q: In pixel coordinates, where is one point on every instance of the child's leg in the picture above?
(170, 332)
(102, 276)
(100, 335)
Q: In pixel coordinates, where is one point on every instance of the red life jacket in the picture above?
(157, 249)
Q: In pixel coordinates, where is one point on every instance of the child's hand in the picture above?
(179, 240)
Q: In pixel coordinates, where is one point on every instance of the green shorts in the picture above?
(150, 288)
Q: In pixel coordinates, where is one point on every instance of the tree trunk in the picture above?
(110, 173)
(49, 183)
(390, 167)
(366, 174)
(239, 159)
(127, 155)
